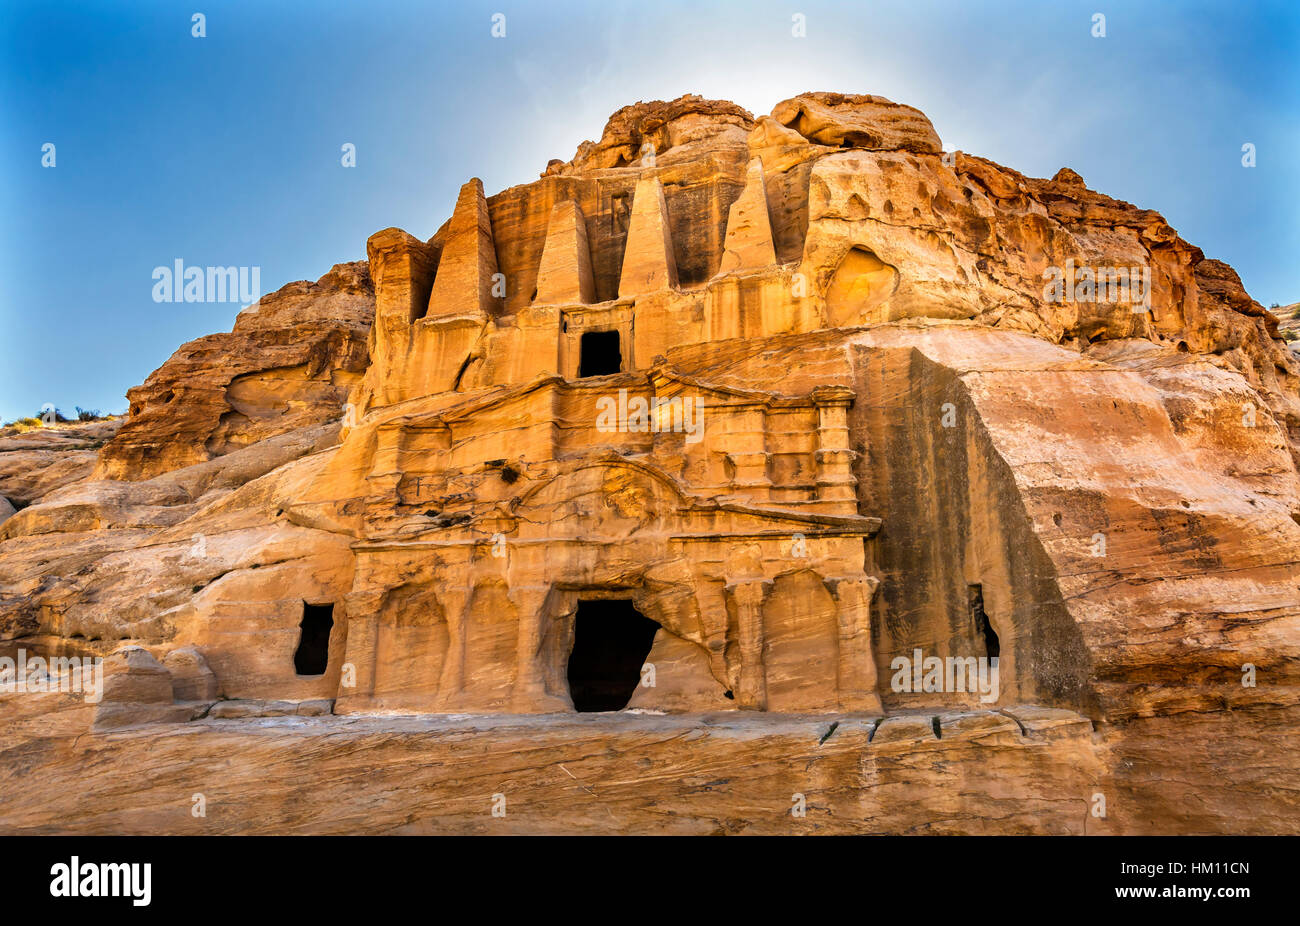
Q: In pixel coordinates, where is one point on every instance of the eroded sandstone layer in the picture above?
(721, 422)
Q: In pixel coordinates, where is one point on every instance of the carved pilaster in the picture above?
(530, 694)
(856, 679)
(747, 450)
(835, 479)
(360, 651)
(747, 597)
(712, 605)
(456, 602)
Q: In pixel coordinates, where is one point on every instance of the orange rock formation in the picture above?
(726, 418)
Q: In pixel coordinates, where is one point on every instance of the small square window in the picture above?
(600, 354)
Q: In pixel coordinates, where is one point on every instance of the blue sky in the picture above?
(225, 150)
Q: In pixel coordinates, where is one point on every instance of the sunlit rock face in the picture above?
(731, 418)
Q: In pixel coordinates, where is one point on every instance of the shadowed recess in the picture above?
(975, 595)
(600, 354)
(611, 641)
(313, 650)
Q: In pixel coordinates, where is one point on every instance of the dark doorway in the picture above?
(313, 651)
(611, 641)
(600, 354)
(975, 596)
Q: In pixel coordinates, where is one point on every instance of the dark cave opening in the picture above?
(975, 596)
(611, 641)
(312, 654)
(600, 354)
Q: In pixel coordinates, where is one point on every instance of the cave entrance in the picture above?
(975, 598)
(611, 640)
(313, 652)
(600, 354)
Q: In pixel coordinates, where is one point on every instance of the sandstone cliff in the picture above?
(288, 364)
(912, 444)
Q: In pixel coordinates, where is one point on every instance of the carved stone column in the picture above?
(835, 479)
(746, 446)
(747, 597)
(856, 679)
(712, 607)
(360, 651)
(456, 602)
(530, 690)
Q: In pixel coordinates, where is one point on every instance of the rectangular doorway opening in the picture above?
(600, 354)
(313, 652)
(611, 640)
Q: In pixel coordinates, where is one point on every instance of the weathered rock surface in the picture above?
(191, 678)
(1024, 770)
(642, 129)
(873, 430)
(288, 364)
(1289, 324)
(844, 120)
(35, 463)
